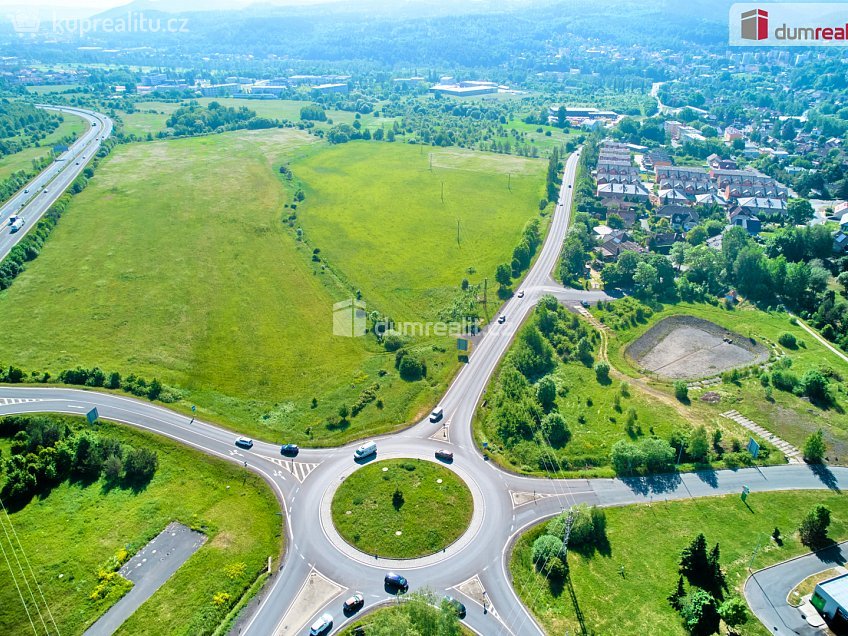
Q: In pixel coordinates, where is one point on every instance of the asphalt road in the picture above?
(34, 199)
(505, 504)
(767, 590)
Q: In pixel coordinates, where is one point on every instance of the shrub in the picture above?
(546, 548)
(815, 448)
(813, 529)
(681, 390)
(602, 370)
(141, 464)
(784, 380)
(788, 340)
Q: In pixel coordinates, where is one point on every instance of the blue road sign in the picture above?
(92, 416)
(753, 448)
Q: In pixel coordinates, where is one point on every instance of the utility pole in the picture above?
(509, 181)
(458, 241)
(485, 290)
(431, 161)
(443, 191)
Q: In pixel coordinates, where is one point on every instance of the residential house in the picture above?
(680, 217)
(840, 242)
(743, 217)
(633, 192)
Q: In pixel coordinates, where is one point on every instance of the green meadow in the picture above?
(71, 533)
(622, 589)
(22, 160)
(178, 262)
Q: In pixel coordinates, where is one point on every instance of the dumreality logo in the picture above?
(755, 24)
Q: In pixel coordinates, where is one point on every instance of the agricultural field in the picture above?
(622, 587)
(72, 532)
(161, 241)
(783, 413)
(22, 160)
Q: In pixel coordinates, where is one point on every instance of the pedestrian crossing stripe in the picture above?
(9, 401)
(299, 470)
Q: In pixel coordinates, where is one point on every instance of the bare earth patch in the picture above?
(686, 348)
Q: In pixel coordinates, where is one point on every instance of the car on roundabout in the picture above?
(444, 455)
(354, 603)
(395, 581)
(322, 625)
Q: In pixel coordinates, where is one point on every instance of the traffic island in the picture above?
(402, 508)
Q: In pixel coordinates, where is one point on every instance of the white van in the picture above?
(365, 450)
(16, 225)
(437, 414)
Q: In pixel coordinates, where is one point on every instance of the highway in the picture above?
(36, 197)
(320, 570)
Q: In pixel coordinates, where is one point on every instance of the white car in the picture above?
(13, 218)
(16, 225)
(521, 294)
(322, 625)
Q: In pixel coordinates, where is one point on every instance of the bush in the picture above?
(602, 370)
(681, 391)
(141, 464)
(813, 529)
(788, 340)
(784, 380)
(546, 548)
(815, 448)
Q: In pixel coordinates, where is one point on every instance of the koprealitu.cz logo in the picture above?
(789, 24)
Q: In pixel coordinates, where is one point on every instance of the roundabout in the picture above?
(402, 508)
(434, 522)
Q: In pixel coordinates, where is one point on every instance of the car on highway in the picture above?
(354, 603)
(520, 293)
(244, 442)
(322, 625)
(396, 582)
(437, 414)
(458, 607)
(45, 191)
(369, 448)
(444, 455)
(585, 303)
(501, 320)
(289, 450)
(13, 218)
(26, 190)
(16, 225)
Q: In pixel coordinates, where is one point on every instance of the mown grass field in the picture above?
(788, 416)
(365, 513)
(184, 269)
(22, 160)
(76, 529)
(646, 542)
(396, 240)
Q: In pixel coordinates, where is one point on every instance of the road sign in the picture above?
(92, 416)
(462, 344)
(745, 491)
(753, 448)
(193, 408)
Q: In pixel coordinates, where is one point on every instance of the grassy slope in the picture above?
(184, 270)
(398, 201)
(23, 160)
(646, 541)
(373, 521)
(787, 416)
(75, 530)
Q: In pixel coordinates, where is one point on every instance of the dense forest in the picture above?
(23, 125)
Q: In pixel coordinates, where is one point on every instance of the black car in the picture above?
(354, 603)
(444, 455)
(396, 582)
(289, 450)
(458, 607)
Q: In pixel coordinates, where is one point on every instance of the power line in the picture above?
(17, 587)
(23, 576)
(29, 565)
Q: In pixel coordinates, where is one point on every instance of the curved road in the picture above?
(504, 503)
(34, 199)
